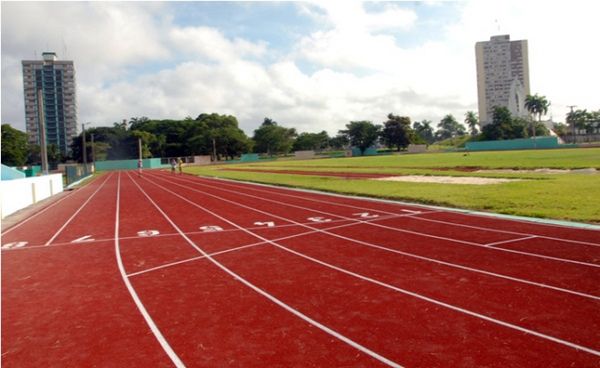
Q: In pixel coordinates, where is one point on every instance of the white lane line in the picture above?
(510, 241)
(252, 185)
(505, 250)
(242, 247)
(411, 255)
(68, 195)
(265, 294)
(391, 287)
(506, 231)
(79, 210)
(157, 334)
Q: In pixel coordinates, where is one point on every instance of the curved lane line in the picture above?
(79, 210)
(391, 287)
(15, 226)
(434, 260)
(157, 334)
(272, 298)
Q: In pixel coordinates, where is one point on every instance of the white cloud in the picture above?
(132, 60)
(210, 43)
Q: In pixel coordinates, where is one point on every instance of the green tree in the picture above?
(560, 129)
(448, 127)
(472, 121)
(503, 126)
(54, 156)
(339, 142)
(361, 134)
(424, 131)
(270, 138)
(14, 146)
(397, 132)
(219, 135)
(536, 105)
(311, 141)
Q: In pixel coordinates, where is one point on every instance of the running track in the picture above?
(175, 270)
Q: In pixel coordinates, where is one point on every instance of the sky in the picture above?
(309, 65)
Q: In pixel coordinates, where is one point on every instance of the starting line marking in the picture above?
(211, 228)
(318, 219)
(268, 223)
(148, 233)
(13, 245)
(365, 215)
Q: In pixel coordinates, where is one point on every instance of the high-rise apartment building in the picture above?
(502, 76)
(56, 81)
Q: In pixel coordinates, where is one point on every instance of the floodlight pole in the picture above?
(93, 150)
(42, 128)
(572, 123)
(84, 148)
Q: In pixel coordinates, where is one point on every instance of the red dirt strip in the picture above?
(346, 175)
(211, 273)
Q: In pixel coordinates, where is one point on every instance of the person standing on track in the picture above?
(140, 165)
(179, 165)
(173, 165)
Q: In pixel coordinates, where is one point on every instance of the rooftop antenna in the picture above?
(497, 25)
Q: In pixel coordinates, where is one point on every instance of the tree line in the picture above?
(220, 136)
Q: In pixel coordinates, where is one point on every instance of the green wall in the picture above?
(149, 163)
(513, 144)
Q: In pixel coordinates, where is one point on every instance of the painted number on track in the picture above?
(83, 239)
(318, 219)
(211, 228)
(14, 245)
(147, 233)
(365, 215)
(267, 224)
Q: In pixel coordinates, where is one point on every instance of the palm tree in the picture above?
(472, 121)
(536, 105)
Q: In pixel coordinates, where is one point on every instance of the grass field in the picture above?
(566, 196)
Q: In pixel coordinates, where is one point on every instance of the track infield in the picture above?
(176, 270)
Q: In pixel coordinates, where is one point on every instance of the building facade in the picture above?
(56, 81)
(502, 76)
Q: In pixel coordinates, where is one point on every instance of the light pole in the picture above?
(93, 150)
(572, 121)
(84, 146)
(42, 129)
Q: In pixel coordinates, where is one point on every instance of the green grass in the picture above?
(573, 196)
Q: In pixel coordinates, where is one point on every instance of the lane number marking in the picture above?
(365, 215)
(15, 245)
(147, 233)
(211, 228)
(318, 219)
(409, 211)
(267, 224)
(83, 239)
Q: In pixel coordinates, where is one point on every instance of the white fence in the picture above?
(20, 193)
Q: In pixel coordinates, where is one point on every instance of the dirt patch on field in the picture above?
(540, 171)
(316, 173)
(447, 179)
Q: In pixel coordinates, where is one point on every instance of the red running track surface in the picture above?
(174, 270)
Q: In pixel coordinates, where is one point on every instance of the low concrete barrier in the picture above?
(304, 155)
(20, 193)
(417, 148)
